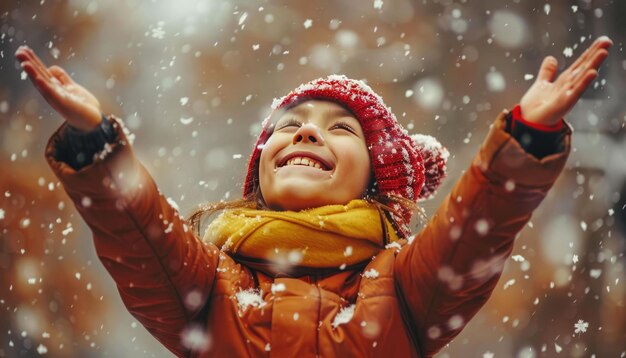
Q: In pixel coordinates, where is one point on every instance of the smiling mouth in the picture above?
(306, 162)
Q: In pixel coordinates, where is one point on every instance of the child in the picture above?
(317, 259)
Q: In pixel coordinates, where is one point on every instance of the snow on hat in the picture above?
(411, 167)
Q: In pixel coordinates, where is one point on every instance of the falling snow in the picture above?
(194, 80)
(568, 52)
(243, 18)
(195, 338)
(581, 326)
(186, 120)
(158, 33)
(557, 348)
(41, 349)
(546, 9)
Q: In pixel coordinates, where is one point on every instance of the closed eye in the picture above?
(290, 123)
(343, 125)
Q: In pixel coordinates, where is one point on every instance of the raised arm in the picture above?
(449, 270)
(164, 273)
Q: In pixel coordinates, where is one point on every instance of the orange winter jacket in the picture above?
(409, 301)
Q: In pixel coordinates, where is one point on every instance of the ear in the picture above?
(435, 157)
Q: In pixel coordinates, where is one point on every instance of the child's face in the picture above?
(316, 156)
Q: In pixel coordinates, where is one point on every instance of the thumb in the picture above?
(548, 69)
(61, 75)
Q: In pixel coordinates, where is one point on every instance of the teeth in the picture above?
(304, 161)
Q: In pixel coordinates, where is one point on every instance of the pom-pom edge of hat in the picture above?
(409, 166)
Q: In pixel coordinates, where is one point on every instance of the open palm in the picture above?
(72, 101)
(547, 101)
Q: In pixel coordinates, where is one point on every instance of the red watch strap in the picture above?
(516, 115)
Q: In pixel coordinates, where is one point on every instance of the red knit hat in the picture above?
(411, 167)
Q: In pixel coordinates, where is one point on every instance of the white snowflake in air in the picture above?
(581, 326)
(158, 32)
(568, 52)
(41, 349)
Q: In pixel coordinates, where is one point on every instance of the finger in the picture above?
(30, 70)
(51, 92)
(26, 62)
(23, 55)
(548, 69)
(602, 42)
(592, 64)
(582, 57)
(41, 67)
(61, 75)
(579, 88)
(20, 54)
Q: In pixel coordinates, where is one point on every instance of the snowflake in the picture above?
(243, 17)
(371, 273)
(158, 33)
(250, 297)
(581, 326)
(41, 349)
(557, 348)
(195, 339)
(568, 52)
(344, 316)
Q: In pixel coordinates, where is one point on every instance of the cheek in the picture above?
(358, 163)
(264, 169)
(267, 154)
(266, 166)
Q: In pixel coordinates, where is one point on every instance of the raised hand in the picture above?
(547, 101)
(72, 101)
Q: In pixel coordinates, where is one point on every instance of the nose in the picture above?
(308, 133)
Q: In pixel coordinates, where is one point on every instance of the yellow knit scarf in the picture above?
(328, 238)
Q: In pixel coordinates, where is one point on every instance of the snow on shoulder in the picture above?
(344, 316)
(250, 297)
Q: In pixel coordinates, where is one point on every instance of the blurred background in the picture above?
(194, 78)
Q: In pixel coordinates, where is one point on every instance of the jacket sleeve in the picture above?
(449, 270)
(163, 272)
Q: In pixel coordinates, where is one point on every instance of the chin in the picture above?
(297, 203)
(296, 200)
